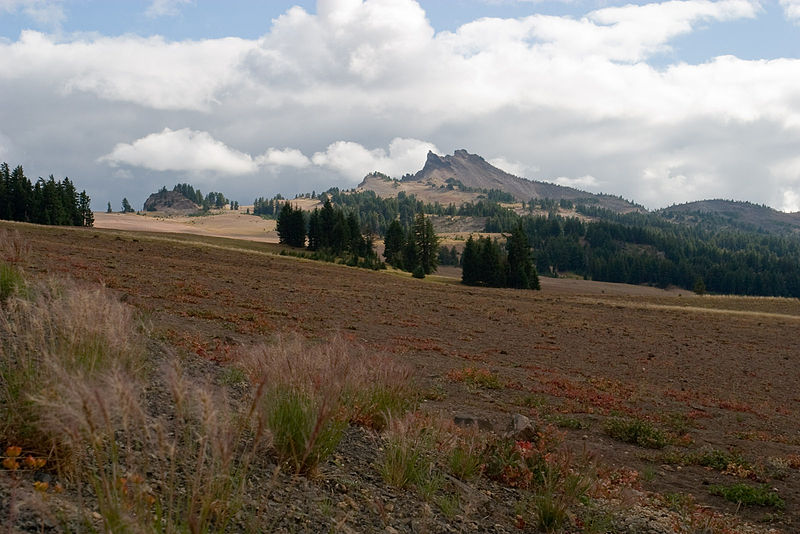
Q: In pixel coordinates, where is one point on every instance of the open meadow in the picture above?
(672, 398)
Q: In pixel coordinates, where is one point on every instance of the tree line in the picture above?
(644, 248)
(48, 201)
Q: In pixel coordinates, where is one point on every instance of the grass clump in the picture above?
(637, 432)
(409, 453)
(311, 392)
(11, 281)
(747, 495)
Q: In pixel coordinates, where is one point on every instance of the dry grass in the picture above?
(308, 393)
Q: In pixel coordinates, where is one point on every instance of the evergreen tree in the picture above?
(520, 272)
(126, 206)
(314, 230)
(470, 270)
(393, 244)
(427, 243)
(109, 210)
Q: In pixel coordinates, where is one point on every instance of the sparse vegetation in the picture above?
(747, 495)
(638, 432)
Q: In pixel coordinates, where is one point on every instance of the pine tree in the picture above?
(109, 210)
(520, 272)
(427, 243)
(393, 244)
(469, 263)
(126, 206)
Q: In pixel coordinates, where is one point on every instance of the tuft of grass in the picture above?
(638, 432)
(58, 334)
(304, 433)
(11, 281)
(408, 454)
(564, 421)
(310, 392)
(747, 495)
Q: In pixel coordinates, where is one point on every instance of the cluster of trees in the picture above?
(448, 256)
(484, 262)
(268, 207)
(332, 233)
(46, 202)
(416, 250)
(214, 199)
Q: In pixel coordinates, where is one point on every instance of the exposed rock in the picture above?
(169, 201)
(468, 420)
(521, 428)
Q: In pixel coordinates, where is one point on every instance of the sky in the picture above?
(661, 103)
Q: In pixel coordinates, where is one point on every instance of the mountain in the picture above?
(733, 214)
(464, 177)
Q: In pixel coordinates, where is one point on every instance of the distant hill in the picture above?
(733, 214)
(169, 201)
(464, 177)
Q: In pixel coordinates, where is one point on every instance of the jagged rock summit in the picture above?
(470, 172)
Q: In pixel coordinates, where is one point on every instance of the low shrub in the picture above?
(747, 495)
(638, 432)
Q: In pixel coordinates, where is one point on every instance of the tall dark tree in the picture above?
(427, 243)
(470, 268)
(126, 206)
(393, 244)
(314, 230)
(520, 272)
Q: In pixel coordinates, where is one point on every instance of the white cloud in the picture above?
(791, 201)
(161, 8)
(287, 157)
(555, 96)
(182, 150)
(149, 72)
(354, 161)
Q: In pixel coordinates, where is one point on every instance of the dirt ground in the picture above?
(717, 372)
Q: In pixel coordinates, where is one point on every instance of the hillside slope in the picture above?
(745, 215)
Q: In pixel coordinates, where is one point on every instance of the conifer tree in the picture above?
(393, 244)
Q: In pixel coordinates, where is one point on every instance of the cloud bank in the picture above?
(324, 97)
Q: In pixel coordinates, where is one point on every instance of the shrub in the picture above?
(638, 432)
(747, 495)
(482, 378)
(419, 272)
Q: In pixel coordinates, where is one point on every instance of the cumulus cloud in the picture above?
(569, 97)
(355, 161)
(287, 157)
(181, 150)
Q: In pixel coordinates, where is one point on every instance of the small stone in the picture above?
(468, 420)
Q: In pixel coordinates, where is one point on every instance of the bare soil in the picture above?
(717, 372)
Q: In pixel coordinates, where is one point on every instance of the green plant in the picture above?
(465, 461)
(304, 431)
(573, 423)
(747, 495)
(11, 280)
(637, 431)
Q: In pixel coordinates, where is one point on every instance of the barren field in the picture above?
(233, 224)
(715, 373)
